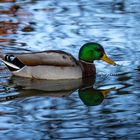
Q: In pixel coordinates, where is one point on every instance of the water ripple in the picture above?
(113, 109)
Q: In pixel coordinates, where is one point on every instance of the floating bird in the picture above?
(56, 64)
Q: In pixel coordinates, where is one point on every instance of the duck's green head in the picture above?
(93, 51)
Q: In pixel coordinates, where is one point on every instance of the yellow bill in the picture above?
(105, 92)
(108, 60)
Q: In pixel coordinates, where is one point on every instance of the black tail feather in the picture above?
(13, 60)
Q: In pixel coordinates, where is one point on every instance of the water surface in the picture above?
(106, 109)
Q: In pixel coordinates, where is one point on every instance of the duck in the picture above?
(56, 64)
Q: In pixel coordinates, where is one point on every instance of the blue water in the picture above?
(33, 110)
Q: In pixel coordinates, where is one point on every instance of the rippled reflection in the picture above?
(39, 97)
(62, 88)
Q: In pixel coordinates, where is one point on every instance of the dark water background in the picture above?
(61, 112)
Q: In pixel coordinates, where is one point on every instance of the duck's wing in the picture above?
(52, 57)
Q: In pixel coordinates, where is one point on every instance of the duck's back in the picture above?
(52, 65)
(53, 57)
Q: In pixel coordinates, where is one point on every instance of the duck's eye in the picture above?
(90, 51)
(98, 50)
(101, 54)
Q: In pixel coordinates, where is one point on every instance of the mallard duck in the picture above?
(56, 64)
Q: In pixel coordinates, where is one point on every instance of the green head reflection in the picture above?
(62, 88)
(93, 97)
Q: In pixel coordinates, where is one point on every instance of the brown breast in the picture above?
(88, 69)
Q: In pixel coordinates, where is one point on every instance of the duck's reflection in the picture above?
(59, 88)
(93, 97)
